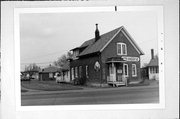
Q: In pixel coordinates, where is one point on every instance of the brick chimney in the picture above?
(97, 36)
(152, 53)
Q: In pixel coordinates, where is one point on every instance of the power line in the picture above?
(49, 54)
(36, 63)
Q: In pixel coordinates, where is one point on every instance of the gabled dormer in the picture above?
(75, 53)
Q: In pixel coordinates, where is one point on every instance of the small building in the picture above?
(48, 73)
(153, 67)
(110, 57)
(65, 75)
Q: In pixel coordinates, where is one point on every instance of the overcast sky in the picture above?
(46, 36)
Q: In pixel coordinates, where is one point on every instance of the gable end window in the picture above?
(121, 49)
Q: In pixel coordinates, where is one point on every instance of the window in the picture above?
(134, 71)
(125, 68)
(50, 75)
(76, 72)
(72, 73)
(80, 71)
(87, 76)
(75, 54)
(121, 49)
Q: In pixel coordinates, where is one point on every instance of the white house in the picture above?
(153, 67)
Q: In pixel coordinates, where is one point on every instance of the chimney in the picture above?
(97, 36)
(152, 53)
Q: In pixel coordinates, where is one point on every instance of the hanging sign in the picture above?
(131, 59)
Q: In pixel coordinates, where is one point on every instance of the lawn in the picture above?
(48, 86)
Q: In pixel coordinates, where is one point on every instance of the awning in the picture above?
(115, 60)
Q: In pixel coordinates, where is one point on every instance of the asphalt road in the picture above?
(130, 95)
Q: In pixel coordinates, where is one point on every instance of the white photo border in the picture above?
(159, 12)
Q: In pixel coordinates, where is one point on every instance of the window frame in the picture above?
(134, 75)
(72, 73)
(124, 70)
(80, 71)
(76, 72)
(121, 48)
(87, 74)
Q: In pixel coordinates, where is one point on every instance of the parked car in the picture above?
(25, 78)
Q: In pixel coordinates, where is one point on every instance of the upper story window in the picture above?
(121, 49)
(75, 54)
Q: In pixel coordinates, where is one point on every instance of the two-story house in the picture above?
(107, 58)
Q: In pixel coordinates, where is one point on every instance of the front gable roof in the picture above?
(51, 69)
(105, 39)
(153, 62)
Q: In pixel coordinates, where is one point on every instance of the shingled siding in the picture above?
(111, 51)
(93, 75)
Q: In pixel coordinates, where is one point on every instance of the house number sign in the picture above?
(131, 59)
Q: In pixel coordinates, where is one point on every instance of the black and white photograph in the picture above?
(89, 58)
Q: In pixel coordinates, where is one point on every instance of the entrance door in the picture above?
(119, 72)
(112, 72)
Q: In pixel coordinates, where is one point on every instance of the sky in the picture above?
(46, 36)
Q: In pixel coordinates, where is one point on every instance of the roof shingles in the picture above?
(153, 62)
(99, 44)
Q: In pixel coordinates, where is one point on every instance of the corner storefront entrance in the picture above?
(117, 72)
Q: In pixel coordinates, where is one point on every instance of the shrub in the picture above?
(79, 81)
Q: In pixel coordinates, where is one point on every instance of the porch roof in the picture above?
(115, 59)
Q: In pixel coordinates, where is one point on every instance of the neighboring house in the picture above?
(48, 73)
(144, 73)
(32, 75)
(153, 67)
(110, 57)
(65, 75)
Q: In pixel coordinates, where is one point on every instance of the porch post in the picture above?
(114, 71)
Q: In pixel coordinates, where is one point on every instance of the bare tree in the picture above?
(63, 59)
(32, 67)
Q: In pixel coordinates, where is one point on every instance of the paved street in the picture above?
(121, 95)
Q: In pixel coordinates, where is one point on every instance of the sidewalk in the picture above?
(85, 89)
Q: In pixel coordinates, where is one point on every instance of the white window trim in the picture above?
(76, 72)
(72, 73)
(124, 70)
(121, 49)
(80, 71)
(135, 70)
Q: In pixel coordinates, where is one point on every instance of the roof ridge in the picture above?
(101, 37)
